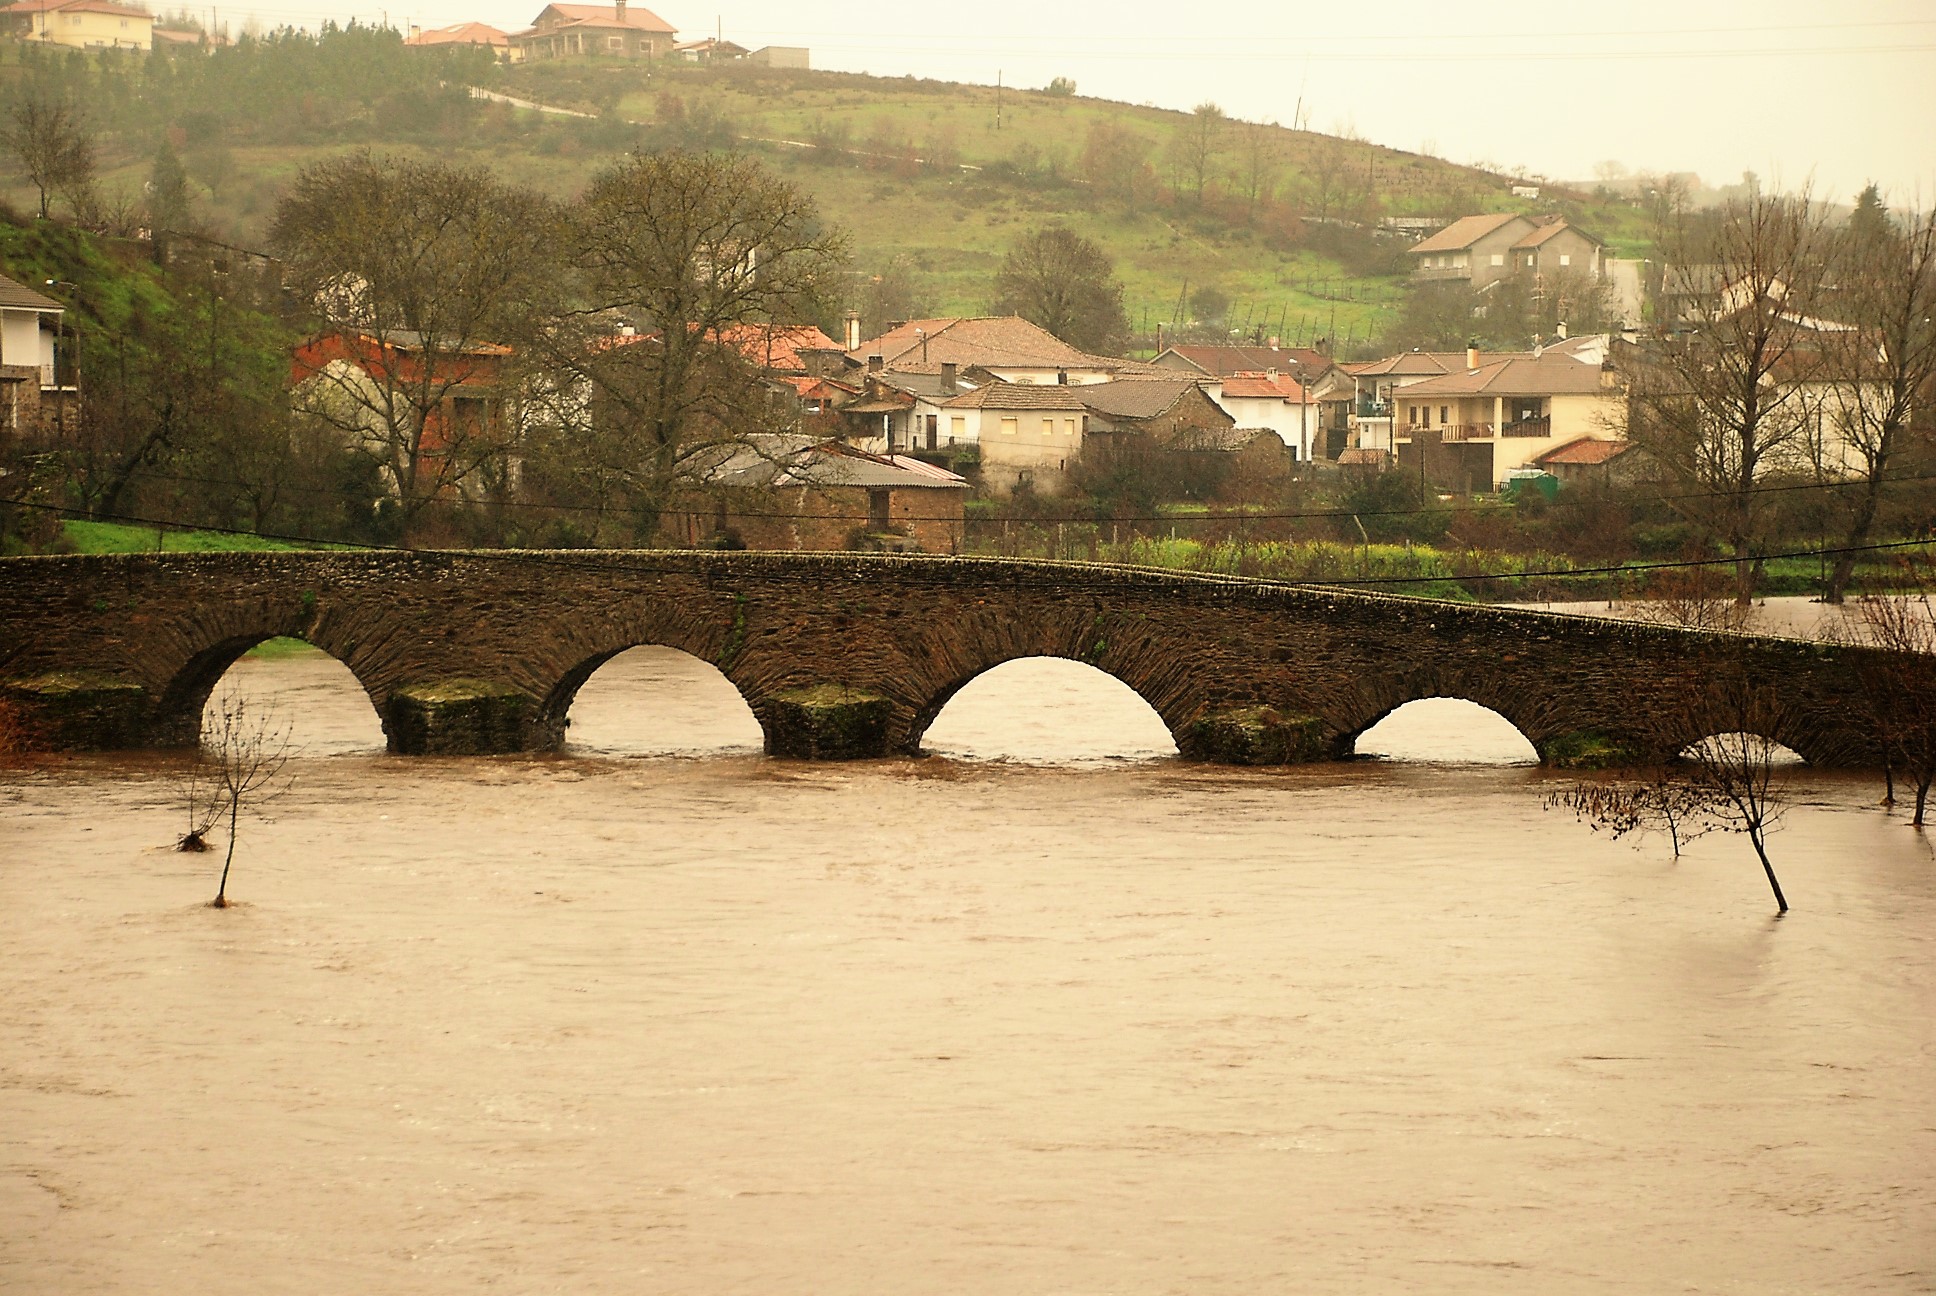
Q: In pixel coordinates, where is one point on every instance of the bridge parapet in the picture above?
(846, 655)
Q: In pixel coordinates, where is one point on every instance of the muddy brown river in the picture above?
(1046, 1012)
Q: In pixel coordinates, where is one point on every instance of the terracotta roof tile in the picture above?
(1001, 395)
(1465, 231)
(585, 15)
(1006, 341)
(1586, 450)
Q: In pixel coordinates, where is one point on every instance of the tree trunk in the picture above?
(221, 890)
(1922, 797)
(1754, 835)
(1858, 535)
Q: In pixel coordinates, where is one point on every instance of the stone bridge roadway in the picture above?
(844, 656)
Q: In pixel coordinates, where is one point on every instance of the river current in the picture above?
(1046, 1011)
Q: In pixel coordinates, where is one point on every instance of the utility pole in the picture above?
(998, 99)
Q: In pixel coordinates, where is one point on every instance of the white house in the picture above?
(29, 333)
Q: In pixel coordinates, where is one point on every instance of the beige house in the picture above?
(82, 24)
(1482, 250)
(1474, 250)
(583, 31)
(1030, 433)
(1476, 426)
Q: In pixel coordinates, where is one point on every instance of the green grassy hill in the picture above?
(931, 190)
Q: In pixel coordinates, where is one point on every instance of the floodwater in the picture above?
(1049, 1012)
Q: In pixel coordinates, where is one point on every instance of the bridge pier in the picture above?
(1254, 735)
(76, 711)
(828, 722)
(464, 717)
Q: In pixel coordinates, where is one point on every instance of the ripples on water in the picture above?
(1048, 1011)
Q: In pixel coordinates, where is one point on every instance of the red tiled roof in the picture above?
(25, 7)
(1547, 231)
(1002, 395)
(1558, 376)
(1465, 231)
(1227, 360)
(777, 346)
(1586, 450)
(469, 33)
(584, 15)
(1257, 386)
(1007, 341)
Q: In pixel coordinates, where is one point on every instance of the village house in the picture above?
(1004, 347)
(1165, 409)
(1596, 461)
(1030, 434)
(366, 382)
(31, 360)
(797, 492)
(710, 50)
(1280, 404)
(82, 24)
(1480, 251)
(1478, 426)
(584, 30)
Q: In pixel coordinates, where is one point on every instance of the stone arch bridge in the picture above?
(843, 656)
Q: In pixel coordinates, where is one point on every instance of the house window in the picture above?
(1068, 427)
(957, 428)
(615, 42)
(1009, 425)
(1529, 260)
(1565, 259)
(1048, 428)
(1444, 415)
(1499, 258)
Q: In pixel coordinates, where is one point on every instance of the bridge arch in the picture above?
(1371, 701)
(190, 673)
(1425, 731)
(554, 712)
(1116, 693)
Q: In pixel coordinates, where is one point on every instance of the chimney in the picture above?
(1562, 329)
(1472, 355)
(1062, 377)
(949, 377)
(618, 11)
(1273, 344)
(850, 332)
(1270, 376)
(876, 363)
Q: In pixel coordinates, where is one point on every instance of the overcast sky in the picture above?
(1795, 90)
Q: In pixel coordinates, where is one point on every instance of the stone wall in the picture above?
(842, 655)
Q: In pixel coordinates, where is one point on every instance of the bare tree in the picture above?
(1724, 400)
(1065, 283)
(1115, 162)
(1734, 764)
(422, 277)
(1882, 367)
(1259, 156)
(49, 137)
(1668, 802)
(1195, 147)
(245, 752)
(686, 261)
(1899, 686)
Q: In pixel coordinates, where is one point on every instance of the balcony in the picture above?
(1532, 427)
(1440, 274)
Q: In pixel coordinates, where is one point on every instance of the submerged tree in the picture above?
(1669, 803)
(244, 753)
(1899, 686)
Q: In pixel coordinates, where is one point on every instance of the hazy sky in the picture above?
(1841, 93)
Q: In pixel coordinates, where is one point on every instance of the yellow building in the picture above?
(82, 24)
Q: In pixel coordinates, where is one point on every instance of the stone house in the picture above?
(588, 30)
(1030, 434)
(799, 493)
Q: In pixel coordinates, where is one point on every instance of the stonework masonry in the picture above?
(844, 655)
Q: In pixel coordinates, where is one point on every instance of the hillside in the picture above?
(1273, 223)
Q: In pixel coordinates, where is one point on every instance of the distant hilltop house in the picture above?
(477, 34)
(81, 24)
(710, 50)
(1480, 251)
(583, 31)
